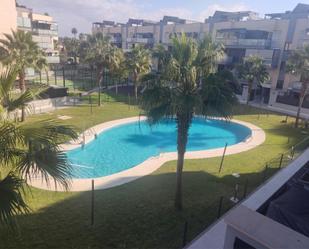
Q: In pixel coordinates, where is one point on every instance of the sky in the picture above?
(82, 13)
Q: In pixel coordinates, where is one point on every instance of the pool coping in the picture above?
(148, 166)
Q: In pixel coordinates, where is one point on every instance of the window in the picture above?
(23, 22)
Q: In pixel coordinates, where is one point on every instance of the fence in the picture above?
(191, 225)
(75, 77)
(242, 188)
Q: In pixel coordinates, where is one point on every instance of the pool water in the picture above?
(128, 145)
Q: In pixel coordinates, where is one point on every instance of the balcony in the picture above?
(245, 43)
(285, 55)
(226, 60)
(45, 32)
(53, 59)
(115, 39)
(140, 40)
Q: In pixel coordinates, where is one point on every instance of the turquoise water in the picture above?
(126, 146)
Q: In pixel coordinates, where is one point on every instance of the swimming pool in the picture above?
(125, 146)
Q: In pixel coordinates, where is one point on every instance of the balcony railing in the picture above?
(140, 40)
(246, 43)
(53, 59)
(45, 32)
(115, 40)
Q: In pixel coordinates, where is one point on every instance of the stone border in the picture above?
(151, 164)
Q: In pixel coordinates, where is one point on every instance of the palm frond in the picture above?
(7, 79)
(217, 97)
(21, 101)
(12, 203)
(9, 137)
(47, 132)
(41, 153)
(47, 162)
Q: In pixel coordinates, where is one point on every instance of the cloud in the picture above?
(82, 13)
(212, 8)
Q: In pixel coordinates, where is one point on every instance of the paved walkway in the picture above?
(151, 164)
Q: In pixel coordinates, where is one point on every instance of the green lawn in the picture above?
(140, 214)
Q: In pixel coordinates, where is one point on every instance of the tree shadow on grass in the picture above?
(139, 214)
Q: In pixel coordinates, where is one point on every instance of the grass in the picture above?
(140, 214)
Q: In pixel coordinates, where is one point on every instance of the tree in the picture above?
(27, 150)
(176, 93)
(209, 55)
(19, 49)
(82, 36)
(118, 68)
(253, 70)
(298, 64)
(74, 32)
(139, 63)
(100, 53)
(42, 64)
(162, 56)
(71, 47)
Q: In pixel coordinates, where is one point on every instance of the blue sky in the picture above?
(81, 13)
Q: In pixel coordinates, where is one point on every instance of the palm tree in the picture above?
(298, 64)
(209, 55)
(118, 68)
(162, 56)
(82, 36)
(72, 47)
(26, 150)
(176, 93)
(139, 63)
(253, 70)
(19, 49)
(100, 54)
(74, 32)
(42, 64)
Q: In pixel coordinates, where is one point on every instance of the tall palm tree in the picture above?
(253, 70)
(118, 68)
(72, 47)
(139, 63)
(176, 93)
(42, 64)
(100, 53)
(19, 49)
(298, 64)
(27, 150)
(74, 32)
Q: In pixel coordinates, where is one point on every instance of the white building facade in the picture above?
(243, 34)
(44, 31)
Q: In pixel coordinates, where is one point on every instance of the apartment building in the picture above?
(243, 33)
(8, 17)
(43, 28)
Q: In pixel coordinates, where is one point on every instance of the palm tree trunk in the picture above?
(135, 91)
(183, 124)
(301, 101)
(249, 92)
(116, 87)
(22, 87)
(40, 74)
(47, 76)
(135, 85)
(100, 79)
